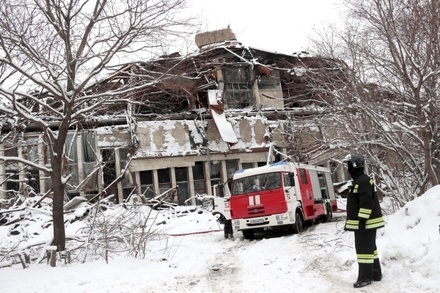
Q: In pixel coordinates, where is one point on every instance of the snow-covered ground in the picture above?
(191, 255)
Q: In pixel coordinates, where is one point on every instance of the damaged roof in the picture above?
(176, 84)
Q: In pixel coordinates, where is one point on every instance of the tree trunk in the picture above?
(58, 187)
(58, 216)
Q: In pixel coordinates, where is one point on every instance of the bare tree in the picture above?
(50, 53)
(391, 107)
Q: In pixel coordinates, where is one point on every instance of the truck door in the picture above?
(305, 187)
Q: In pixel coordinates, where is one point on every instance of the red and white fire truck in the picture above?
(281, 195)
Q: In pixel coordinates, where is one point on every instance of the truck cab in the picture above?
(282, 195)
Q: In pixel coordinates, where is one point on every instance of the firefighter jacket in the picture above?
(363, 209)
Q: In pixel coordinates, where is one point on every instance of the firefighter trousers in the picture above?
(228, 230)
(367, 256)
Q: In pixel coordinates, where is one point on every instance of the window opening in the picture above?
(214, 171)
(12, 170)
(182, 182)
(70, 148)
(109, 169)
(146, 178)
(247, 165)
(199, 178)
(89, 146)
(231, 167)
(164, 180)
(238, 88)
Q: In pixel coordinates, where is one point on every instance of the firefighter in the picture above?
(364, 217)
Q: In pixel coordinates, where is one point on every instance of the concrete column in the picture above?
(173, 176)
(155, 182)
(223, 171)
(137, 182)
(207, 176)
(191, 188)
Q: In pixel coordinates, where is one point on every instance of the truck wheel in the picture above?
(298, 226)
(248, 233)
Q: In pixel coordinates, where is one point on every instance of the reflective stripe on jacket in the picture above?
(363, 205)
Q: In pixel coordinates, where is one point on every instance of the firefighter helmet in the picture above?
(356, 160)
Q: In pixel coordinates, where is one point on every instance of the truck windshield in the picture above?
(255, 183)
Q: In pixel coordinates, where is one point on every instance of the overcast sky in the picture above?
(275, 25)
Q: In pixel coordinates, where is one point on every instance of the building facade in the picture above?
(225, 108)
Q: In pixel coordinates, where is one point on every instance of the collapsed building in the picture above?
(201, 117)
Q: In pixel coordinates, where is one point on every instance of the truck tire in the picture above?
(248, 233)
(298, 226)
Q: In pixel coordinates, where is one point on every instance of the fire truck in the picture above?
(282, 195)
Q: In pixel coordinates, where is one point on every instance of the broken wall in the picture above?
(270, 91)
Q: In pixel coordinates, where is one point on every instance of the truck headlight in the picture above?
(281, 217)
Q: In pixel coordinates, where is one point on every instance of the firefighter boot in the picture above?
(377, 271)
(360, 284)
(365, 275)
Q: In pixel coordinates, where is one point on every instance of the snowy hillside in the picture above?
(189, 254)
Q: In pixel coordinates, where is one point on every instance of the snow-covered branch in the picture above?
(25, 162)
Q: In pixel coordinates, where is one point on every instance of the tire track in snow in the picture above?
(224, 273)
